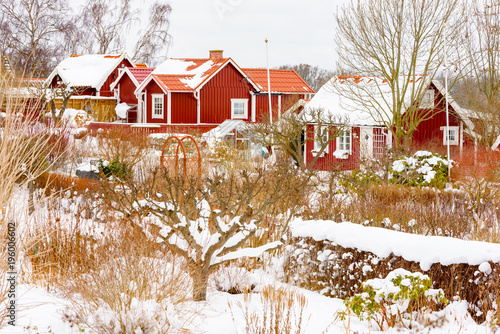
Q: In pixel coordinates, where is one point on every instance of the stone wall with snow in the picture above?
(335, 258)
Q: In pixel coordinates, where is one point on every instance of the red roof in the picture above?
(282, 81)
(186, 74)
(189, 74)
(173, 82)
(140, 73)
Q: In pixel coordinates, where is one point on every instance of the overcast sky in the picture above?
(298, 31)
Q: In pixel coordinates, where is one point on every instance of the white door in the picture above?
(366, 142)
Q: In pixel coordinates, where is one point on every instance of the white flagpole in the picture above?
(447, 134)
(269, 84)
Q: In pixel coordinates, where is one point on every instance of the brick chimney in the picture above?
(216, 55)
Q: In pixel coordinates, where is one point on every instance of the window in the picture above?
(239, 108)
(452, 135)
(157, 100)
(427, 99)
(344, 141)
(320, 139)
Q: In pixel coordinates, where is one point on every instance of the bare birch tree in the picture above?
(398, 42)
(31, 31)
(105, 26)
(477, 55)
(154, 40)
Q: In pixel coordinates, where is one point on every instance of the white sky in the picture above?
(298, 31)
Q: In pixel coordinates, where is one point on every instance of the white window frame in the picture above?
(245, 107)
(343, 152)
(321, 131)
(456, 130)
(428, 99)
(154, 98)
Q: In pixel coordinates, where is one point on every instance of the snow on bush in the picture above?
(138, 317)
(234, 280)
(422, 169)
(395, 300)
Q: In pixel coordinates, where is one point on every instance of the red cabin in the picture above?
(201, 93)
(365, 136)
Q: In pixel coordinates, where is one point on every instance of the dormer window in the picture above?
(428, 99)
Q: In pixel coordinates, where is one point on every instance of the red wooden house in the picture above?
(366, 137)
(129, 79)
(91, 76)
(201, 93)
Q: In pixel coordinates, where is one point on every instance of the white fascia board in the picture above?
(120, 76)
(461, 113)
(146, 82)
(230, 61)
(105, 76)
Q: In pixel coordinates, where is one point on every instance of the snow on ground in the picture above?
(42, 312)
(38, 311)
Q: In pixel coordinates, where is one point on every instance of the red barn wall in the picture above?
(429, 136)
(183, 108)
(262, 107)
(153, 88)
(262, 104)
(105, 89)
(216, 95)
(127, 88)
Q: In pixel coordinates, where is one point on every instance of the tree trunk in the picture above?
(31, 190)
(200, 282)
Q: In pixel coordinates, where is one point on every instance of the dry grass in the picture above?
(116, 274)
(282, 311)
(130, 146)
(28, 149)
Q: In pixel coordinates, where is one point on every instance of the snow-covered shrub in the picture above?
(233, 279)
(139, 317)
(358, 178)
(422, 169)
(391, 301)
(282, 312)
(131, 295)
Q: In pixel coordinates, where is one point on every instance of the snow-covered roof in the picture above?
(188, 74)
(341, 97)
(87, 70)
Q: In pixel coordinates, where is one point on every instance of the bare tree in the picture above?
(313, 75)
(154, 39)
(477, 58)
(105, 26)
(207, 221)
(31, 31)
(396, 42)
(61, 92)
